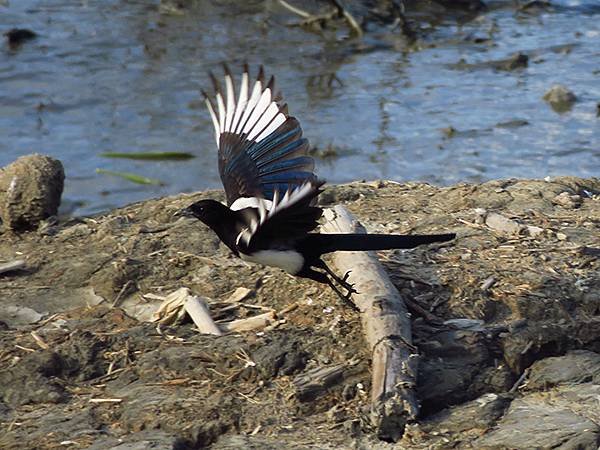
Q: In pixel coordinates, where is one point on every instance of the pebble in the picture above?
(560, 98)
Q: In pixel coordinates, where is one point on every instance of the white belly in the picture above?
(288, 260)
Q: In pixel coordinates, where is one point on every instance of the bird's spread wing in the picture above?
(261, 149)
(290, 217)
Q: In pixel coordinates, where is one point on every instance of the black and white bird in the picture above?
(271, 189)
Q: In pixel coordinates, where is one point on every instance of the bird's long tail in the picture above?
(326, 243)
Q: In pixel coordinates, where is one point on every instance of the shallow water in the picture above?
(125, 76)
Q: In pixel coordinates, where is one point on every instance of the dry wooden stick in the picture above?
(17, 264)
(173, 306)
(198, 310)
(387, 330)
(250, 323)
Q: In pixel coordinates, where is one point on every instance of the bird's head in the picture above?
(211, 212)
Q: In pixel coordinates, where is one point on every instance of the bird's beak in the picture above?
(185, 212)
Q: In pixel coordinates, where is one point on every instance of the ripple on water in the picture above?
(122, 76)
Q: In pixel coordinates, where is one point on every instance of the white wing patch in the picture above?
(249, 202)
(266, 208)
(256, 116)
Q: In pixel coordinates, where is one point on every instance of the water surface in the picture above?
(126, 76)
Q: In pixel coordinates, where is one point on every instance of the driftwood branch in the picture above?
(354, 26)
(339, 11)
(387, 330)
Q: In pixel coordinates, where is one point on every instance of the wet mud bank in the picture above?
(506, 320)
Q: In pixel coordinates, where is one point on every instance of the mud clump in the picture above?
(30, 191)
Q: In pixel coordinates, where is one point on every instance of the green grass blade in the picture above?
(150, 156)
(131, 177)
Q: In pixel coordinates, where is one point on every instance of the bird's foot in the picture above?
(348, 286)
(333, 278)
(343, 282)
(349, 291)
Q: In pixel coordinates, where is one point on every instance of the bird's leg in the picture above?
(323, 278)
(341, 281)
(345, 298)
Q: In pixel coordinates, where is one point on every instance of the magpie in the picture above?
(271, 188)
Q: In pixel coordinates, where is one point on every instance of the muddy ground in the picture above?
(506, 320)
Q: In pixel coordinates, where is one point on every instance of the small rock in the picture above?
(17, 36)
(534, 231)
(20, 315)
(482, 413)
(30, 191)
(76, 231)
(530, 423)
(500, 223)
(567, 200)
(516, 61)
(448, 132)
(575, 367)
(155, 439)
(561, 236)
(560, 98)
(480, 215)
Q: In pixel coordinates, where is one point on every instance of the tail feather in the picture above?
(326, 243)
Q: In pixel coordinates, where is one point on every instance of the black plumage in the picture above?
(271, 189)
